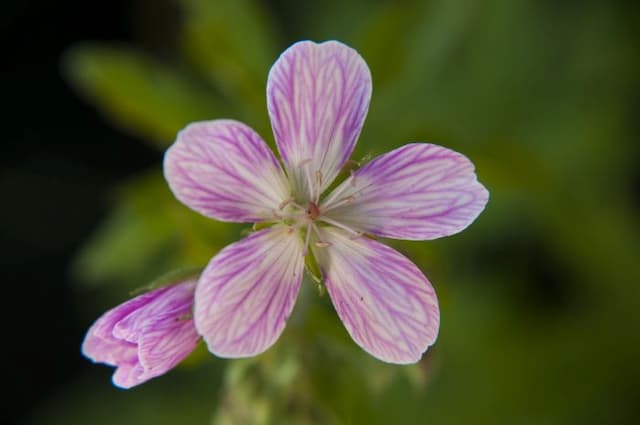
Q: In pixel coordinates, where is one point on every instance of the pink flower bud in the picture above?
(146, 336)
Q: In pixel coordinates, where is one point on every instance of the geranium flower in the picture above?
(317, 97)
(146, 336)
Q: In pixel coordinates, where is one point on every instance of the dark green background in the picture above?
(539, 296)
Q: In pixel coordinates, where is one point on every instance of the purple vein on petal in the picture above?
(247, 292)
(418, 191)
(387, 305)
(224, 170)
(318, 96)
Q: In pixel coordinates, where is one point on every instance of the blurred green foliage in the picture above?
(539, 297)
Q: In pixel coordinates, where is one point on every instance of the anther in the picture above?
(321, 244)
(285, 203)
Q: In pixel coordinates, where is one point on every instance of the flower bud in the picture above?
(146, 336)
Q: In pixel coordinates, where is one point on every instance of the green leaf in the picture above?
(148, 233)
(142, 96)
(133, 244)
(171, 278)
(233, 44)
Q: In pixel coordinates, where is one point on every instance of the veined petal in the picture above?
(128, 375)
(166, 343)
(417, 192)
(387, 305)
(247, 292)
(146, 336)
(318, 96)
(101, 346)
(172, 300)
(163, 329)
(224, 170)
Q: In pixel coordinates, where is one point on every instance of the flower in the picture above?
(317, 97)
(146, 336)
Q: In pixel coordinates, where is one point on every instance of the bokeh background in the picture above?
(539, 297)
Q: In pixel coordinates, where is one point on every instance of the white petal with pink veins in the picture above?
(387, 305)
(419, 191)
(318, 96)
(247, 292)
(224, 170)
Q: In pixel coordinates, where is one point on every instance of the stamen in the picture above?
(320, 243)
(297, 205)
(340, 202)
(307, 174)
(285, 203)
(319, 185)
(341, 226)
(306, 241)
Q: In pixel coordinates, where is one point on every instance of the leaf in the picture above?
(232, 43)
(148, 233)
(129, 248)
(170, 278)
(142, 96)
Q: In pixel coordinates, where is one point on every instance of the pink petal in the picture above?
(318, 96)
(247, 292)
(419, 191)
(128, 375)
(101, 346)
(146, 336)
(166, 343)
(224, 170)
(167, 333)
(171, 300)
(387, 305)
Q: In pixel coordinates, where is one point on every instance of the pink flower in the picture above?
(317, 97)
(146, 336)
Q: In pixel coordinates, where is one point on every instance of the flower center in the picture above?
(306, 219)
(312, 210)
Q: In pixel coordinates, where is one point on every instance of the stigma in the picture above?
(312, 210)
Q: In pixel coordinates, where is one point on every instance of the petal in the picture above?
(145, 336)
(127, 375)
(101, 346)
(224, 170)
(163, 329)
(246, 294)
(172, 300)
(99, 350)
(166, 343)
(387, 305)
(417, 192)
(171, 335)
(318, 96)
